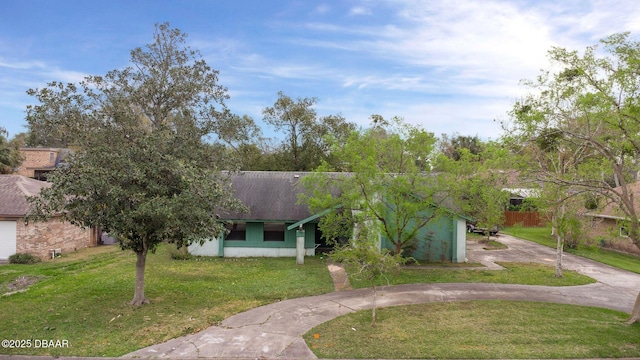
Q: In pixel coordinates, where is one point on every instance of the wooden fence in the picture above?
(524, 218)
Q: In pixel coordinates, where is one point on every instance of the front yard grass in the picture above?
(514, 273)
(542, 236)
(83, 297)
(478, 330)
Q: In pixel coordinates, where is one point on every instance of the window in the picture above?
(274, 231)
(624, 232)
(236, 231)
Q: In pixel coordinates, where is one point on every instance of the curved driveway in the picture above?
(275, 330)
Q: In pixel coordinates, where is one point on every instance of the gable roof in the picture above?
(269, 195)
(14, 190)
(273, 196)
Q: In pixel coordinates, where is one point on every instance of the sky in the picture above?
(447, 66)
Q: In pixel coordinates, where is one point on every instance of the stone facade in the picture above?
(40, 238)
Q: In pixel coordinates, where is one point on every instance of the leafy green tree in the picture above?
(142, 172)
(477, 182)
(295, 118)
(9, 153)
(364, 260)
(386, 184)
(586, 110)
(451, 146)
(307, 137)
(485, 200)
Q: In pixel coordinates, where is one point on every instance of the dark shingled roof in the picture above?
(14, 190)
(269, 195)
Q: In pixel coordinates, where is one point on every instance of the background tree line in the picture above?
(304, 142)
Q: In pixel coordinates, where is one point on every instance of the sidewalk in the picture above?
(275, 330)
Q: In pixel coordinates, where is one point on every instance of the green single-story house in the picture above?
(277, 225)
(267, 228)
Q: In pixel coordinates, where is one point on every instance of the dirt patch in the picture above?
(339, 276)
(21, 284)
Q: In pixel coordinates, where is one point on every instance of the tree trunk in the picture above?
(559, 250)
(138, 296)
(634, 235)
(635, 313)
(373, 309)
(560, 245)
(398, 247)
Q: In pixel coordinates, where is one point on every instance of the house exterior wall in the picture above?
(254, 244)
(40, 238)
(437, 241)
(606, 232)
(459, 251)
(35, 158)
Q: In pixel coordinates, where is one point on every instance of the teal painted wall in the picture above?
(435, 241)
(255, 237)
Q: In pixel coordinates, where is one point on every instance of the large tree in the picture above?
(585, 112)
(452, 145)
(388, 186)
(307, 138)
(141, 171)
(294, 118)
(477, 179)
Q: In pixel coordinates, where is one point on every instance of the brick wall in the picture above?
(36, 158)
(39, 238)
(609, 231)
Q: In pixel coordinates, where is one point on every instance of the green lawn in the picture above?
(515, 273)
(542, 236)
(478, 330)
(83, 297)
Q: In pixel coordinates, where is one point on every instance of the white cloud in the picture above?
(360, 10)
(21, 65)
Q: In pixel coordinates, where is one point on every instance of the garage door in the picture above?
(7, 239)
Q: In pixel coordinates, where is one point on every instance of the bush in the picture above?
(23, 259)
(180, 254)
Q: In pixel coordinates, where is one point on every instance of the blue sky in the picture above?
(449, 66)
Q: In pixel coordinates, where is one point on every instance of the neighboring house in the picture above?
(516, 215)
(607, 226)
(519, 195)
(37, 162)
(41, 239)
(275, 216)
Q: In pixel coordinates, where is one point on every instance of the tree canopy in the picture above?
(388, 185)
(581, 124)
(142, 171)
(9, 154)
(307, 137)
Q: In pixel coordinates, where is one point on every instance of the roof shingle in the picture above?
(269, 195)
(14, 190)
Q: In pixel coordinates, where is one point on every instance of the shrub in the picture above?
(180, 254)
(23, 259)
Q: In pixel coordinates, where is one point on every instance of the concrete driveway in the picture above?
(275, 330)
